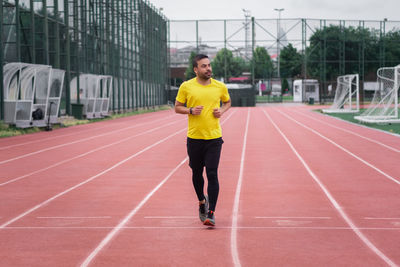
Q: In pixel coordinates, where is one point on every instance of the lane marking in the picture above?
(88, 180)
(53, 137)
(291, 222)
(202, 227)
(98, 217)
(85, 154)
(116, 229)
(350, 132)
(363, 126)
(235, 212)
(370, 218)
(342, 148)
(170, 217)
(317, 218)
(332, 199)
(73, 133)
(73, 142)
(120, 226)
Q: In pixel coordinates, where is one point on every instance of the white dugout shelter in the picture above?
(32, 94)
(94, 93)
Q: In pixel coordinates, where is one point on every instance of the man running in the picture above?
(200, 98)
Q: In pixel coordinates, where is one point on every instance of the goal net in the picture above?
(347, 99)
(384, 107)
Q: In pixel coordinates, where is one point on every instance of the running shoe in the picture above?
(203, 210)
(210, 220)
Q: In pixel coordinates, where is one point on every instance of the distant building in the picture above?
(180, 57)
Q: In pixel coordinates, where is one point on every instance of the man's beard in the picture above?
(206, 75)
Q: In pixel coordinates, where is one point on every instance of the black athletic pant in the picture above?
(205, 153)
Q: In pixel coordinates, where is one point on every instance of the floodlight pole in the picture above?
(247, 15)
(278, 36)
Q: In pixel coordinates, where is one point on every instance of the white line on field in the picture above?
(350, 132)
(93, 129)
(347, 219)
(342, 148)
(88, 180)
(202, 227)
(235, 212)
(317, 218)
(370, 218)
(98, 217)
(85, 154)
(116, 229)
(120, 226)
(71, 143)
(170, 217)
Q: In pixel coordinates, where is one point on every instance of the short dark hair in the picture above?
(197, 58)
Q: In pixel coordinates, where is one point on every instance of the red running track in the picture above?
(297, 189)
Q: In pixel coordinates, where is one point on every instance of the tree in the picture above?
(392, 48)
(189, 73)
(290, 62)
(263, 67)
(238, 66)
(332, 39)
(225, 65)
(285, 86)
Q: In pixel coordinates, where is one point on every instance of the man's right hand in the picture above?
(197, 110)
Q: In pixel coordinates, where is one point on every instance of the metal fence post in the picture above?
(33, 45)
(46, 33)
(253, 47)
(67, 59)
(1, 64)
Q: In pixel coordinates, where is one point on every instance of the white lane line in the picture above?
(342, 148)
(122, 224)
(170, 217)
(74, 142)
(350, 132)
(85, 154)
(370, 218)
(317, 218)
(235, 212)
(116, 229)
(202, 227)
(98, 217)
(42, 140)
(332, 199)
(51, 138)
(88, 180)
(361, 125)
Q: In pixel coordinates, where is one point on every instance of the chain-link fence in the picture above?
(298, 48)
(126, 39)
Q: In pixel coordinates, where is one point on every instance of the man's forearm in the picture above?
(225, 106)
(182, 110)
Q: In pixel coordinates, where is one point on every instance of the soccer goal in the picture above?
(347, 96)
(384, 107)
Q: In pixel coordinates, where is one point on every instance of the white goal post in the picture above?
(384, 107)
(347, 95)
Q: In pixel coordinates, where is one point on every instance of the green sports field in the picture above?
(389, 127)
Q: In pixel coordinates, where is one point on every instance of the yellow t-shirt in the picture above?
(192, 93)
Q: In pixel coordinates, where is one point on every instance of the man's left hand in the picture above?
(217, 113)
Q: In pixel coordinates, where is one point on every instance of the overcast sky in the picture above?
(264, 9)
